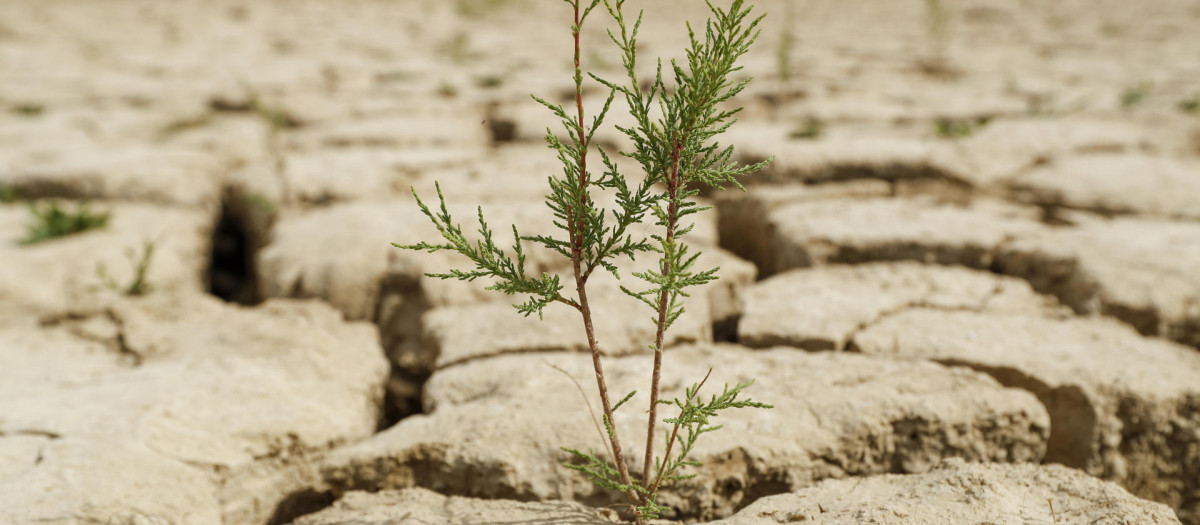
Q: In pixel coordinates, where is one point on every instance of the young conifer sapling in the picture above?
(676, 122)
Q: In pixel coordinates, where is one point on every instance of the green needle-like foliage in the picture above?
(489, 259)
(677, 150)
(693, 419)
(51, 221)
(677, 119)
(138, 285)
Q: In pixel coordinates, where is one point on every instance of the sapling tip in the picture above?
(138, 284)
(676, 118)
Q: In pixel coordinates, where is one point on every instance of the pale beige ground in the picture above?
(1023, 292)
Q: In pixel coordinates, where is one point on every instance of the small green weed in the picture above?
(8, 194)
(277, 118)
(51, 221)
(1190, 105)
(1041, 105)
(28, 110)
(1136, 95)
(141, 265)
(480, 8)
(390, 77)
(957, 128)
(457, 48)
(260, 202)
(489, 81)
(447, 90)
(810, 128)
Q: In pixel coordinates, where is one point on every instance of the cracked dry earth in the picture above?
(996, 323)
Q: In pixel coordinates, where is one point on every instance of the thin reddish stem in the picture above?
(664, 304)
(576, 234)
(671, 441)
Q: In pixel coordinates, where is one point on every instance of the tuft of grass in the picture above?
(810, 128)
(480, 8)
(457, 48)
(1190, 105)
(50, 221)
(1041, 105)
(489, 81)
(138, 285)
(389, 77)
(957, 128)
(28, 110)
(447, 90)
(260, 202)
(277, 118)
(1134, 96)
(8, 194)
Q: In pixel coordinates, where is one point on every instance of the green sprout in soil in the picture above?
(50, 221)
(957, 128)
(8, 194)
(480, 8)
(394, 76)
(1136, 95)
(141, 265)
(810, 128)
(277, 118)
(676, 120)
(260, 203)
(489, 81)
(1190, 105)
(28, 110)
(1041, 105)
(447, 90)
(457, 48)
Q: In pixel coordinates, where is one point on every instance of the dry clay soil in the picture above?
(969, 281)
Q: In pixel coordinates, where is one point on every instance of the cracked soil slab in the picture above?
(823, 308)
(157, 408)
(494, 427)
(1122, 406)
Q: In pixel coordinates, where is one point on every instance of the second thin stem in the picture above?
(664, 305)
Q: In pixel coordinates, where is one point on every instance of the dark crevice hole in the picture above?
(726, 330)
(231, 265)
(299, 504)
(401, 398)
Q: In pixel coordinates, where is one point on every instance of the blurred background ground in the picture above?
(1005, 192)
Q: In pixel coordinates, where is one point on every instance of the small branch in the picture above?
(568, 302)
(674, 432)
